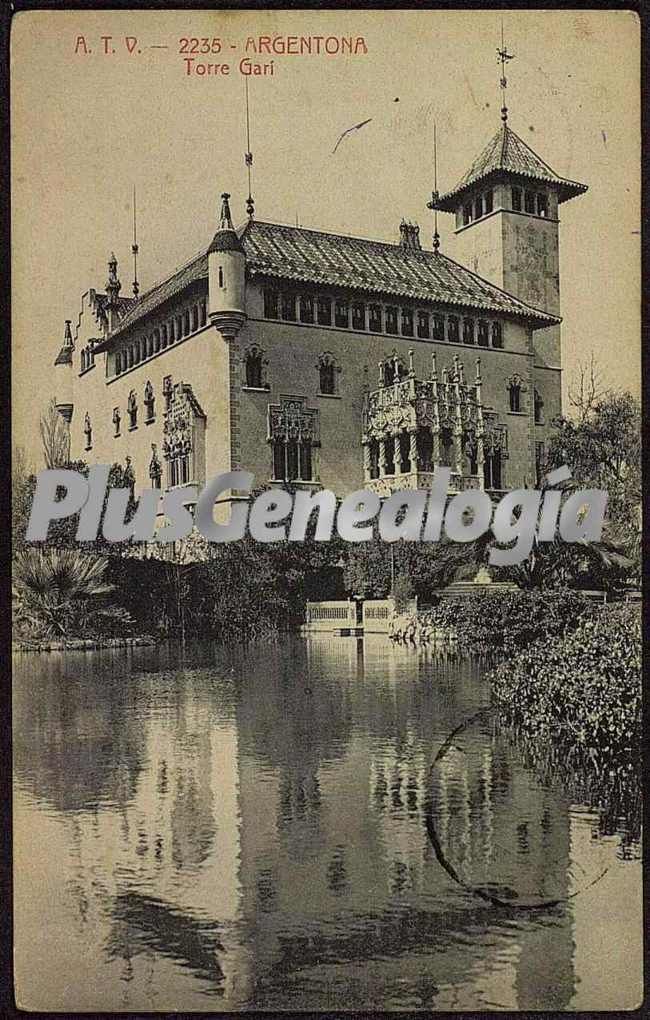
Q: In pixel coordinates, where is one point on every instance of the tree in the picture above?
(603, 449)
(55, 435)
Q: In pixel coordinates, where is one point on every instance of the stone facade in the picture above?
(323, 361)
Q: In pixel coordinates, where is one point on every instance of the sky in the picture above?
(87, 127)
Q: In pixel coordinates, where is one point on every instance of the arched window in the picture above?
(195, 318)
(452, 329)
(132, 409)
(539, 408)
(394, 370)
(483, 333)
(203, 313)
(358, 315)
(407, 322)
(468, 330)
(306, 307)
(514, 393)
(446, 448)
(255, 368)
(492, 470)
(293, 431)
(423, 325)
(149, 402)
(186, 322)
(88, 432)
(328, 370)
(497, 335)
(391, 319)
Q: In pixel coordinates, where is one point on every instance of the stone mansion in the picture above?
(316, 360)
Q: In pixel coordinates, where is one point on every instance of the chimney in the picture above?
(409, 236)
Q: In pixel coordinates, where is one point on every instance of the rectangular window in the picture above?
(423, 325)
(468, 331)
(542, 204)
(203, 312)
(374, 318)
(270, 304)
(467, 214)
(358, 315)
(478, 207)
(516, 199)
(529, 202)
(452, 329)
(324, 311)
(438, 327)
(497, 335)
(391, 319)
(289, 307)
(407, 322)
(195, 318)
(341, 314)
(483, 333)
(488, 202)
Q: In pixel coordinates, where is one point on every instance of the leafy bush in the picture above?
(584, 690)
(507, 621)
(59, 592)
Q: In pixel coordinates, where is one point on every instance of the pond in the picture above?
(263, 828)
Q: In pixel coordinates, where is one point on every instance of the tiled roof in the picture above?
(312, 256)
(334, 260)
(194, 270)
(506, 151)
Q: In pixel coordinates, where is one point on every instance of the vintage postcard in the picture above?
(326, 510)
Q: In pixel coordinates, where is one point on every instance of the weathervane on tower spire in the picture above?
(504, 57)
(433, 204)
(248, 159)
(134, 251)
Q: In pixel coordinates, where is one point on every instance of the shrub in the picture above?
(583, 690)
(507, 621)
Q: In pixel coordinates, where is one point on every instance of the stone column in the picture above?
(382, 458)
(397, 453)
(413, 450)
(366, 459)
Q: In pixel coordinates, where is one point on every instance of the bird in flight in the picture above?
(355, 127)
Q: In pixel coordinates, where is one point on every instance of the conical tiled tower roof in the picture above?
(506, 152)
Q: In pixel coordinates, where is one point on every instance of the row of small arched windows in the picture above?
(379, 318)
(176, 328)
(522, 200)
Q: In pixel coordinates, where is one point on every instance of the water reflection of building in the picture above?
(265, 828)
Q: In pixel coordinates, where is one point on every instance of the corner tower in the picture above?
(227, 277)
(506, 209)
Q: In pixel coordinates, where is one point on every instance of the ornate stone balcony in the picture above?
(419, 480)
